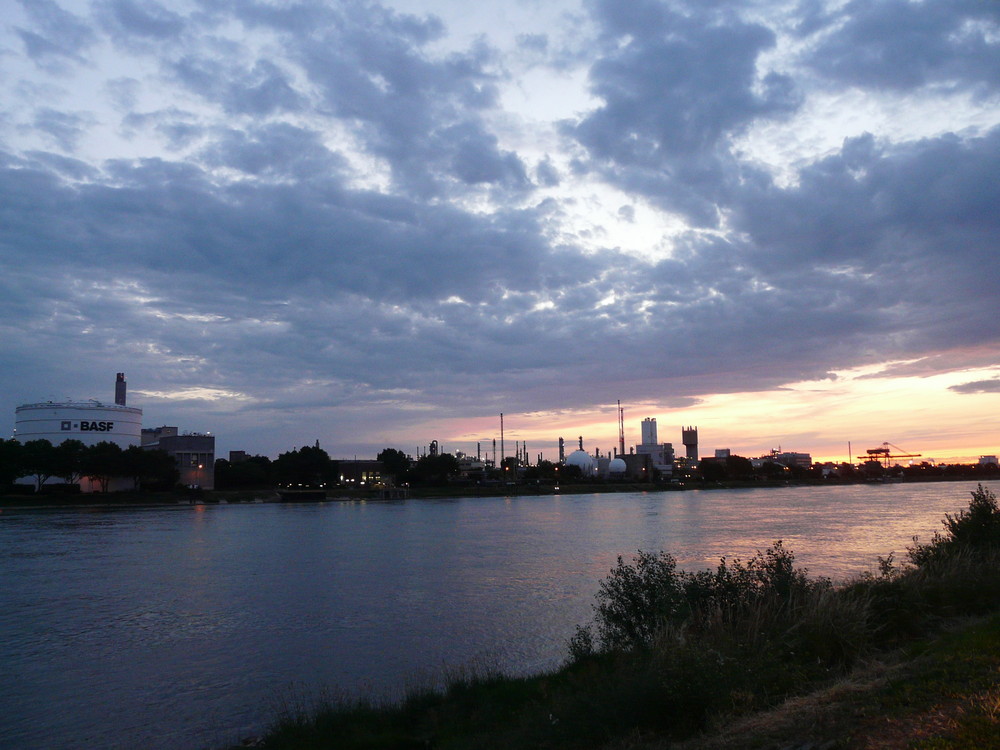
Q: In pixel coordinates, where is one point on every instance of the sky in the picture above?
(381, 224)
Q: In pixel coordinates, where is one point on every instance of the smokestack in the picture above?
(621, 430)
(120, 389)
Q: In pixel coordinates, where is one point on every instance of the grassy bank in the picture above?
(940, 691)
(752, 654)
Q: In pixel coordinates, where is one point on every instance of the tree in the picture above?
(69, 458)
(309, 465)
(542, 470)
(508, 469)
(102, 462)
(11, 461)
(40, 460)
(395, 462)
(739, 467)
(713, 470)
(161, 472)
(774, 470)
(254, 472)
(133, 461)
(148, 467)
(435, 469)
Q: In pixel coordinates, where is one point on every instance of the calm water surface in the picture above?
(179, 627)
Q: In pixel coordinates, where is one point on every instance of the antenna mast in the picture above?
(621, 429)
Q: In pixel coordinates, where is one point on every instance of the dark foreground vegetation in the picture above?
(752, 654)
(71, 461)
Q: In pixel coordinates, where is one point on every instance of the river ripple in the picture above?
(180, 627)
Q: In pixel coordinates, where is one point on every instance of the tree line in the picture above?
(72, 461)
(311, 466)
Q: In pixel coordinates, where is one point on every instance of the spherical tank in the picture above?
(584, 460)
(617, 466)
(90, 422)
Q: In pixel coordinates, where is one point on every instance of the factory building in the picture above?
(661, 455)
(363, 471)
(90, 422)
(790, 459)
(193, 452)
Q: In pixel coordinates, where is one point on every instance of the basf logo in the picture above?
(96, 426)
(84, 426)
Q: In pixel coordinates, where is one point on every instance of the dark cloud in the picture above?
(329, 218)
(675, 87)
(917, 218)
(477, 158)
(903, 45)
(64, 166)
(56, 35)
(179, 128)
(261, 90)
(546, 173)
(128, 20)
(978, 386)
(64, 128)
(275, 151)
(370, 69)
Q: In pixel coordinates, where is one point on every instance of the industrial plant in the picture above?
(93, 422)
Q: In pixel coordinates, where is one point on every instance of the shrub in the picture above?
(639, 598)
(635, 599)
(974, 531)
(769, 575)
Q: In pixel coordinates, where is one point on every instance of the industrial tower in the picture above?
(689, 436)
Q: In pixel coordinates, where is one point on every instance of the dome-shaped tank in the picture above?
(583, 460)
(617, 466)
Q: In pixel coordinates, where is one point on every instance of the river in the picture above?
(184, 627)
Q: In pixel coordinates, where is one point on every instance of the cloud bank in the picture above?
(299, 220)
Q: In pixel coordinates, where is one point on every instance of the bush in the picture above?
(637, 600)
(972, 531)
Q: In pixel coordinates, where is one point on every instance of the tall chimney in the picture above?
(120, 389)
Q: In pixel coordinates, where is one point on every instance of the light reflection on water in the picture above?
(176, 627)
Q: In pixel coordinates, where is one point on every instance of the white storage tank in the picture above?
(582, 459)
(90, 422)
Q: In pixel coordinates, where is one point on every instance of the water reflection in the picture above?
(175, 627)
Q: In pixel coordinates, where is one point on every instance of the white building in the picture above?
(661, 455)
(91, 422)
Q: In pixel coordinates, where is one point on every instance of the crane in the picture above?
(883, 454)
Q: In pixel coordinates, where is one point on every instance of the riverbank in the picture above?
(754, 654)
(354, 494)
(941, 692)
(135, 499)
(938, 692)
